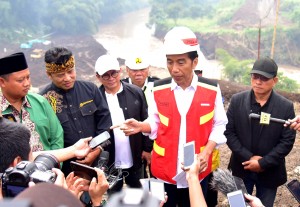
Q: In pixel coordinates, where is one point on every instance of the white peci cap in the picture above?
(106, 63)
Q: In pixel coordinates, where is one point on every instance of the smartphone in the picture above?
(294, 187)
(236, 199)
(83, 171)
(188, 154)
(99, 139)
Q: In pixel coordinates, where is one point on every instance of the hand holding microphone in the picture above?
(295, 123)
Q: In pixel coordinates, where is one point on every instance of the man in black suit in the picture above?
(259, 146)
(137, 68)
(124, 101)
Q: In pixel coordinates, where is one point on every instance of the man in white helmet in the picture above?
(137, 68)
(124, 101)
(186, 108)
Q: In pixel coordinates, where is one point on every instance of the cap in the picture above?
(137, 62)
(48, 195)
(13, 63)
(265, 66)
(180, 40)
(106, 63)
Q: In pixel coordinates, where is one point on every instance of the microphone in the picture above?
(224, 182)
(105, 144)
(281, 121)
(103, 160)
(112, 173)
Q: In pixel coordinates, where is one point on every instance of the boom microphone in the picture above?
(225, 182)
(281, 121)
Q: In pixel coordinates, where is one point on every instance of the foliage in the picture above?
(234, 69)
(287, 84)
(29, 19)
(238, 71)
(226, 9)
(164, 10)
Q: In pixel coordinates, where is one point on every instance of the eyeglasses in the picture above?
(255, 76)
(113, 74)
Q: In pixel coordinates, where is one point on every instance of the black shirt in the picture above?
(82, 110)
(256, 127)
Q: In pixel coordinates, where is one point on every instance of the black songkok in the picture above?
(13, 63)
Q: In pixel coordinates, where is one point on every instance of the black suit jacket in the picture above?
(134, 105)
(274, 141)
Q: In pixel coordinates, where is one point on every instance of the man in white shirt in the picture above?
(124, 101)
(186, 108)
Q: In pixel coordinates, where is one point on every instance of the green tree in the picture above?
(239, 71)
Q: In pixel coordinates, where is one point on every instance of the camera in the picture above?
(16, 179)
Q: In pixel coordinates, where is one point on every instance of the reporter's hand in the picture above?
(81, 148)
(162, 203)
(91, 156)
(197, 167)
(76, 184)
(295, 123)
(60, 178)
(98, 187)
(253, 201)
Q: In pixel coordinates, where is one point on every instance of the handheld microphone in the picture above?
(103, 160)
(281, 121)
(112, 173)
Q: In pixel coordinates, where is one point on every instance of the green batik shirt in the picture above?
(38, 116)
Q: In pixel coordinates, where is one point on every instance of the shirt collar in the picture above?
(119, 91)
(60, 90)
(5, 103)
(193, 85)
(253, 101)
(145, 84)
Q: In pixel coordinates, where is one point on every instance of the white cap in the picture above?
(106, 63)
(180, 40)
(137, 62)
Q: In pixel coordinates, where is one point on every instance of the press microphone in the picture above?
(105, 144)
(103, 160)
(281, 121)
(112, 173)
(224, 182)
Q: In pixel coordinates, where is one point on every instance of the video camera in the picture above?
(16, 179)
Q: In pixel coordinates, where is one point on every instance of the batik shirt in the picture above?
(36, 114)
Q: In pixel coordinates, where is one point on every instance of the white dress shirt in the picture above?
(123, 156)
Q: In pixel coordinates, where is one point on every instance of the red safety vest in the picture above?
(199, 121)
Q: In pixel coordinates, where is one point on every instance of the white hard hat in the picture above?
(137, 62)
(180, 40)
(106, 63)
